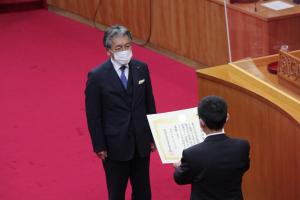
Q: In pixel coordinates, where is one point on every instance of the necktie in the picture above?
(123, 77)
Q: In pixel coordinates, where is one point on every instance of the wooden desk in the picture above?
(266, 114)
(261, 33)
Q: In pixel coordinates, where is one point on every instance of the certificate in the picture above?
(175, 131)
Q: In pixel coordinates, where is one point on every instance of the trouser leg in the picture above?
(117, 174)
(139, 178)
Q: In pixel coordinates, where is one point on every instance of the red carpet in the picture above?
(45, 149)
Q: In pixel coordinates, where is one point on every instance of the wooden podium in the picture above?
(289, 71)
(266, 113)
(259, 31)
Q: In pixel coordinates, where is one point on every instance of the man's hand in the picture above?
(152, 147)
(177, 164)
(102, 155)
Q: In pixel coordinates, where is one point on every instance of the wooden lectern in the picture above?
(266, 113)
(289, 71)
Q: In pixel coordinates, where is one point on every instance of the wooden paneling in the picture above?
(134, 14)
(272, 125)
(253, 37)
(284, 31)
(195, 29)
(85, 9)
(248, 35)
(261, 33)
(191, 28)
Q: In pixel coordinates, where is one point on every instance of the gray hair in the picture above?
(115, 31)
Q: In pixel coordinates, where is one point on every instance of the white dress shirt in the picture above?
(216, 133)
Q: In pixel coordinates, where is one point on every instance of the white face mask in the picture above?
(123, 57)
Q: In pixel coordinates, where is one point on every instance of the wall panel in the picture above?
(191, 28)
(85, 9)
(134, 14)
(194, 29)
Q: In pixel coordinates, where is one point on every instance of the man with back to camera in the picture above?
(118, 98)
(216, 166)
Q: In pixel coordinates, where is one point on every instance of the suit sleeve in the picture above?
(150, 103)
(247, 157)
(93, 114)
(183, 173)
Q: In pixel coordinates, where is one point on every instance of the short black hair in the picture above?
(213, 111)
(115, 31)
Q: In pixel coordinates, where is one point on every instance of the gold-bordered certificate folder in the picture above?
(175, 131)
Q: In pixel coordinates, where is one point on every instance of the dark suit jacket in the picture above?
(110, 115)
(215, 168)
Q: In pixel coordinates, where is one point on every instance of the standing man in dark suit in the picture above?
(118, 98)
(216, 166)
